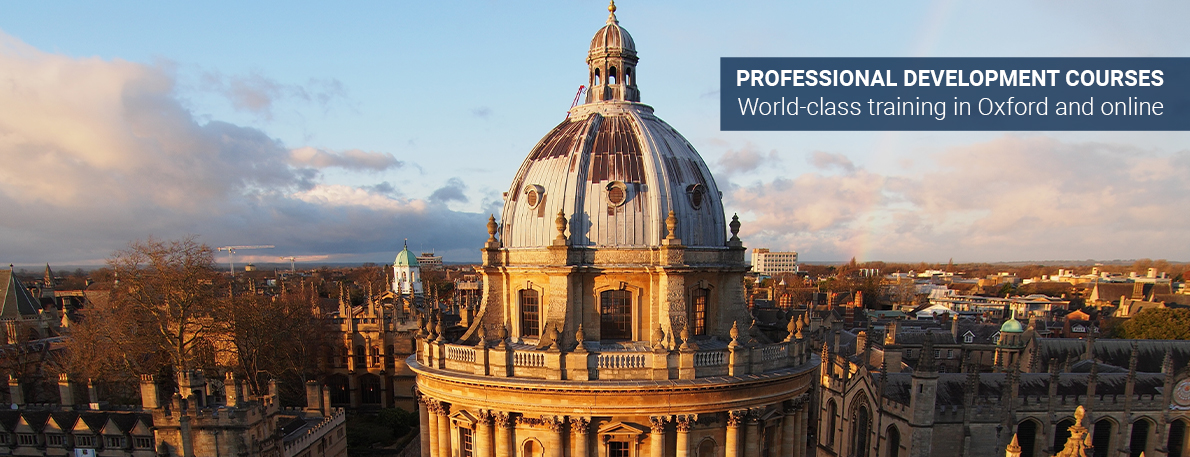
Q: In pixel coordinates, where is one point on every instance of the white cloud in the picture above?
(96, 153)
(1012, 198)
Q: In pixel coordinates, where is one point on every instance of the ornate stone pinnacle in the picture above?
(735, 227)
(658, 337)
(735, 334)
(671, 224)
(492, 228)
(560, 221)
(579, 337)
(685, 335)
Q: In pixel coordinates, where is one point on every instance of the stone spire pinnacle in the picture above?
(611, 13)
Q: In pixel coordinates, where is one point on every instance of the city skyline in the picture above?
(339, 132)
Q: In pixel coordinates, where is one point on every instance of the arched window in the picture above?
(388, 357)
(1177, 439)
(706, 448)
(859, 437)
(369, 386)
(1026, 435)
(530, 313)
(894, 442)
(532, 448)
(832, 414)
(1101, 438)
(615, 315)
(361, 357)
(1062, 433)
(611, 75)
(337, 384)
(628, 76)
(699, 302)
(1138, 443)
(596, 77)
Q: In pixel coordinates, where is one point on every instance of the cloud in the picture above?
(745, 159)
(257, 94)
(351, 159)
(97, 153)
(1012, 198)
(826, 161)
(453, 191)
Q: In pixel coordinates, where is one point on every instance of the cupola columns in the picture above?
(611, 62)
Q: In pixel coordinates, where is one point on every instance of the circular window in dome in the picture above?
(534, 194)
(697, 193)
(617, 193)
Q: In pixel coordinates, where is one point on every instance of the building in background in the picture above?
(768, 262)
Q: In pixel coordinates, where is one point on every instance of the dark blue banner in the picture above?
(790, 93)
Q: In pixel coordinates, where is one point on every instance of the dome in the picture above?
(613, 169)
(612, 37)
(405, 258)
(1012, 325)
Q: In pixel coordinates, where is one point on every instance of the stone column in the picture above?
(443, 430)
(483, 438)
(503, 429)
(557, 426)
(752, 437)
(430, 446)
(657, 436)
(423, 410)
(353, 389)
(731, 443)
(682, 441)
(789, 432)
(580, 426)
(803, 429)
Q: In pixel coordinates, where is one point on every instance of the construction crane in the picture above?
(576, 97)
(292, 259)
(231, 253)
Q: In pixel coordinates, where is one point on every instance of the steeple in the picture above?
(612, 63)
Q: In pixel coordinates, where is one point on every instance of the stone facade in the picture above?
(599, 332)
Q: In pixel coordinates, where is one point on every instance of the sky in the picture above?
(336, 132)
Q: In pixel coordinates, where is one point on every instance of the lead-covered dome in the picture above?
(613, 169)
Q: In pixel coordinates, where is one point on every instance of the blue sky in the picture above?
(337, 131)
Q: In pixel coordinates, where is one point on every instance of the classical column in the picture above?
(731, 444)
(657, 435)
(789, 430)
(423, 410)
(752, 439)
(803, 430)
(483, 439)
(580, 426)
(503, 428)
(557, 426)
(682, 442)
(443, 430)
(430, 446)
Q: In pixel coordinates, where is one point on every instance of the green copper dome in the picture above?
(1010, 326)
(405, 258)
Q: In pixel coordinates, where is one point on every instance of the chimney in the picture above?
(15, 392)
(231, 388)
(149, 398)
(92, 394)
(313, 397)
(65, 391)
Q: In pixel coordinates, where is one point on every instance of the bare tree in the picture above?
(166, 290)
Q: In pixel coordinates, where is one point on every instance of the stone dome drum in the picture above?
(613, 169)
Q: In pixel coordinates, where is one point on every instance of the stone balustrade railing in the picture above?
(615, 362)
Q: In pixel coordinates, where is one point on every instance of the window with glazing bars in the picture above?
(698, 311)
(530, 313)
(615, 312)
(465, 442)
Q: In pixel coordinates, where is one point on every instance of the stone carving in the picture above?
(580, 425)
